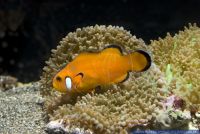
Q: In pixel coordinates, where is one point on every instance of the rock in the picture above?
(55, 127)
(7, 82)
(59, 127)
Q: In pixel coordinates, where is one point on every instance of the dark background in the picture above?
(29, 29)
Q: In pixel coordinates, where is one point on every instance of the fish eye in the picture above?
(68, 83)
(58, 78)
(81, 74)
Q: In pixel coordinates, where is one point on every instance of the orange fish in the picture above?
(90, 70)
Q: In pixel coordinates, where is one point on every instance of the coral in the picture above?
(174, 102)
(171, 119)
(120, 106)
(179, 57)
(173, 115)
(195, 123)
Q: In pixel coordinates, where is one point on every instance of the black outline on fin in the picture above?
(114, 46)
(148, 57)
(127, 76)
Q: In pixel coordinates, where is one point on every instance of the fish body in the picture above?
(90, 70)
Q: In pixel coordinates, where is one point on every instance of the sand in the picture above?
(21, 110)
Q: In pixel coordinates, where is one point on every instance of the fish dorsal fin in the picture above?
(112, 49)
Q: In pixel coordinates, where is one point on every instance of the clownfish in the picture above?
(93, 69)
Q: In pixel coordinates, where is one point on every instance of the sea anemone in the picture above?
(179, 57)
(117, 109)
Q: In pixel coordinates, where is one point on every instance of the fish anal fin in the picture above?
(122, 78)
(112, 49)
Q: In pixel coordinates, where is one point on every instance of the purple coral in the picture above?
(174, 102)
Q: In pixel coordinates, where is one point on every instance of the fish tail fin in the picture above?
(138, 61)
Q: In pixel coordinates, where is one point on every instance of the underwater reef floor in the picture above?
(166, 97)
(21, 111)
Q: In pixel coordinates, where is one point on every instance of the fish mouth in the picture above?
(57, 87)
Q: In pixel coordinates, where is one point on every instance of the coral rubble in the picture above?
(118, 108)
(57, 127)
(172, 119)
(7, 82)
(173, 115)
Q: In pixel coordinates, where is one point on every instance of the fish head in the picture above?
(67, 80)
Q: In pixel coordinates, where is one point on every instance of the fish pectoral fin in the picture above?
(122, 78)
(97, 89)
(112, 49)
